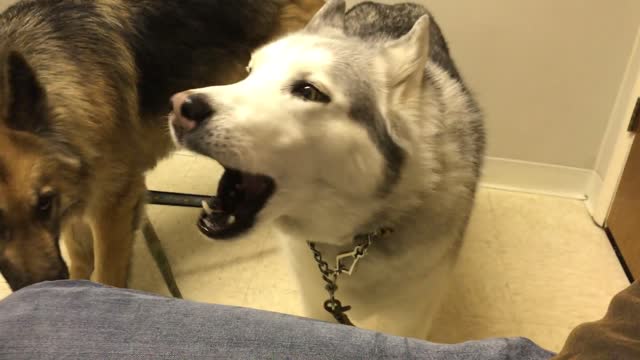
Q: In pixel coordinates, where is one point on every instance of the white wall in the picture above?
(5, 3)
(616, 144)
(547, 72)
(622, 110)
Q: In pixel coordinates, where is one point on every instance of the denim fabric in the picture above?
(82, 320)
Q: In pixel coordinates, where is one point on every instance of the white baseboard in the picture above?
(537, 178)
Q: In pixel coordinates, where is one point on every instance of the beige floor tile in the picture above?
(273, 268)
(480, 279)
(274, 287)
(531, 265)
(4, 288)
(144, 274)
(275, 299)
(539, 260)
(208, 271)
(562, 267)
(185, 172)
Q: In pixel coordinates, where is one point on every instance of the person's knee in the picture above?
(47, 292)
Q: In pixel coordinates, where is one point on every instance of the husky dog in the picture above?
(357, 123)
(84, 86)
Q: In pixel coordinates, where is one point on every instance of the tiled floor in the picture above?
(532, 266)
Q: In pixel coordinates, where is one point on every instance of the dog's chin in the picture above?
(234, 210)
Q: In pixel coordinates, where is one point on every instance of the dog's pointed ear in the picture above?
(22, 98)
(330, 16)
(409, 54)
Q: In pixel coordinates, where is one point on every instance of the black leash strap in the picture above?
(160, 257)
(176, 199)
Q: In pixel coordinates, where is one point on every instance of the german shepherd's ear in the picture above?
(22, 99)
(330, 16)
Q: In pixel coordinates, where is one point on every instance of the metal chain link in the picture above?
(330, 275)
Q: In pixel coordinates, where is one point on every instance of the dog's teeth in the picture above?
(231, 220)
(207, 209)
(211, 225)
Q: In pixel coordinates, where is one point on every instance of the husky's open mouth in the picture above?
(240, 198)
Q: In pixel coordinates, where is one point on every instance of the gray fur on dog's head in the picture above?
(339, 161)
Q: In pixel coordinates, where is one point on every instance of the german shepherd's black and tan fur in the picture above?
(84, 91)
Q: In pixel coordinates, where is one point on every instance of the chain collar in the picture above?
(346, 263)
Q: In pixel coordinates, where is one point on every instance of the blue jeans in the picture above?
(82, 320)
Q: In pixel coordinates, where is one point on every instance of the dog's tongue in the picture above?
(253, 186)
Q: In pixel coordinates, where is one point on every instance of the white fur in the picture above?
(328, 172)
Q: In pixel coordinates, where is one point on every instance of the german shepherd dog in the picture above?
(84, 87)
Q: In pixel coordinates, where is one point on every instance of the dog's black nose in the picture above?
(196, 108)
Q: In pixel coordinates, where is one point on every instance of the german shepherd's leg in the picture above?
(79, 242)
(113, 225)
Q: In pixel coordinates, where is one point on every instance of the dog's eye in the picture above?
(308, 92)
(45, 204)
